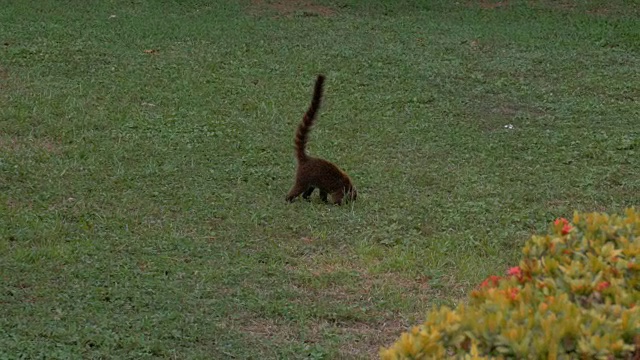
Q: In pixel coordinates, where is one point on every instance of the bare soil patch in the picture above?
(487, 4)
(16, 144)
(593, 8)
(289, 8)
(367, 338)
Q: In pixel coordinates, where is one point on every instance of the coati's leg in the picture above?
(295, 191)
(323, 196)
(308, 192)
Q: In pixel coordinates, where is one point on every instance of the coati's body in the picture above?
(313, 172)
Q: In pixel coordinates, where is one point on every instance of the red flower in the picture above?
(563, 224)
(512, 293)
(519, 274)
(515, 271)
(491, 281)
(602, 285)
(562, 221)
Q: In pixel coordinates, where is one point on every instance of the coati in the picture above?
(318, 173)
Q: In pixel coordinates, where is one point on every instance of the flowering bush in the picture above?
(574, 295)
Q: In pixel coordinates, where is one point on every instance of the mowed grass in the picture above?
(146, 148)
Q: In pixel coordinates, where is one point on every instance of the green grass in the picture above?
(142, 195)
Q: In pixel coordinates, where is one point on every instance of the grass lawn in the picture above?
(146, 148)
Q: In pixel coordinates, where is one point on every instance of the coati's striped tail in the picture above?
(302, 134)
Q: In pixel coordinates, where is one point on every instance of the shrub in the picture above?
(574, 295)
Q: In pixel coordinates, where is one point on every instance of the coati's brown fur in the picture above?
(314, 172)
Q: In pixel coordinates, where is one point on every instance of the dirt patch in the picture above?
(361, 339)
(15, 144)
(589, 7)
(599, 11)
(345, 298)
(289, 8)
(4, 76)
(490, 116)
(268, 329)
(365, 339)
(485, 4)
(369, 285)
(597, 8)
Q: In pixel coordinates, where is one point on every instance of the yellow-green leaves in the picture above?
(574, 295)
